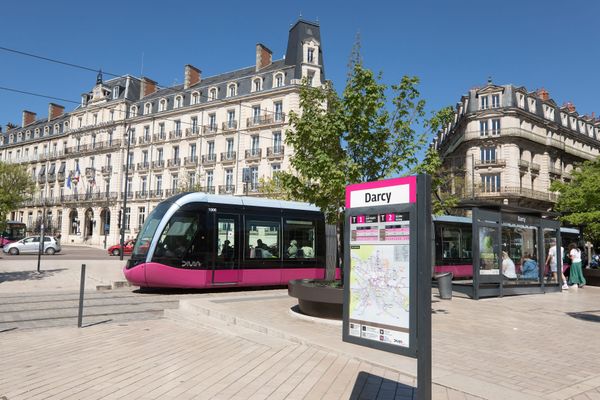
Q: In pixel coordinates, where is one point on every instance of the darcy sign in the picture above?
(381, 193)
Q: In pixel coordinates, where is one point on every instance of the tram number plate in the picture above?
(212, 209)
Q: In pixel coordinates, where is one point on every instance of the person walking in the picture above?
(552, 262)
(576, 273)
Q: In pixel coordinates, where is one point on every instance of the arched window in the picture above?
(162, 105)
(278, 80)
(257, 85)
(178, 101)
(28, 135)
(66, 125)
(195, 98)
(36, 133)
(133, 111)
(231, 90)
(212, 94)
(147, 108)
(56, 129)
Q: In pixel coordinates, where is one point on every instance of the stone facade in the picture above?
(506, 145)
(201, 135)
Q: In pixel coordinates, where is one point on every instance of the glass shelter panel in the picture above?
(489, 264)
(520, 264)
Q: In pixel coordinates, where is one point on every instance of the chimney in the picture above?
(263, 56)
(148, 87)
(192, 76)
(55, 111)
(570, 106)
(28, 118)
(543, 94)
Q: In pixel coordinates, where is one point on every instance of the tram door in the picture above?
(226, 265)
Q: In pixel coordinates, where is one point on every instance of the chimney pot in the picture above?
(543, 94)
(192, 77)
(55, 111)
(28, 118)
(264, 56)
(148, 87)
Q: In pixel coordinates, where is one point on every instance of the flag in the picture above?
(77, 175)
(68, 181)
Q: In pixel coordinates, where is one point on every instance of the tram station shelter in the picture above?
(509, 249)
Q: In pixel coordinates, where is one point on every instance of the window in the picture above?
(133, 111)
(147, 108)
(310, 55)
(212, 94)
(456, 243)
(229, 179)
(129, 187)
(231, 90)
(278, 111)
(194, 124)
(231, 119)
(229, 147)
(158, 184)
(212, 122)
(112, 115)
(144, 185)
(159, 155)
(174, 182)
(178, 101)
(177, 127)
(277, 142)
(262, 236)
(162, 105)
(209, 181)
(177, 239)
(175, 152)
(211, 149)
(484, 103)
(192, 151)
(191, 180)
(495, 127)
(278, 80)
(299, 238)
(195, 98)
(226, 244)
(488, 155)
(310, 78)
(483, 128)
(254, 145)
(257, 85)
(146, 133)
(115, 92)
(275, 168)
(254, 178)
(141, 217)
(495, 100)
(256, 114)
(490, 183)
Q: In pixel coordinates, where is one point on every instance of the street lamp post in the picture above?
(124, 214)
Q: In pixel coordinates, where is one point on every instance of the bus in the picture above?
(13, 231)
(200, 240)
(453, 238)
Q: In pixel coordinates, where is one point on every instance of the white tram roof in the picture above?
(201, 197)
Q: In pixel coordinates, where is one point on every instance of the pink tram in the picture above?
(199, 240)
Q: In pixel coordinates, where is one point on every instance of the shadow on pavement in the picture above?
(368, 386)
(28, 275)
(591, 316)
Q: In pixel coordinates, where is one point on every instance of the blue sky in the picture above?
(451, 45)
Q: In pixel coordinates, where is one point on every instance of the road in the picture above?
(67, 253)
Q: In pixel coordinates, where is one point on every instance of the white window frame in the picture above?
(232, 90)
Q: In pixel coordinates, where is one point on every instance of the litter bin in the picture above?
(445, 285)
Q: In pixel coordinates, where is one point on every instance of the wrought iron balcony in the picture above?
(174, 163)
(228, 156)
(176, 134)
(229, 125)
(226, 189)
(190, 161)
(495, 162)
(143, 166)
(253, 154)
(209, 159)
(158, 164)
(107, 169)
(275, 152)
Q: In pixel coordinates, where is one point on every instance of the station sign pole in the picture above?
(387, 270)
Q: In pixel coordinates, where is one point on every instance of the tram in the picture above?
(13, 231)
(453, 244)
(200, 240)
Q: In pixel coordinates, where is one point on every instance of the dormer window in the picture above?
(483, 102)
(162, 105)
(231, 90)
(212, 94)
(36, 133)
(66, 125)
(310, 55)
(11, 138)
(195, 98)
(133, 111)
(495, 100)
(278, 81)
(531, 103)
(178, 101)
(19, 136)
(56, 128)
(28, 135)
(257, 85)
(115, 92)
(520, 100)
(147, 108)
(46, 130)
(84, 99)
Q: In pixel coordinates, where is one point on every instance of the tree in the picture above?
(579, 200)
(16, 185)
(442, 181)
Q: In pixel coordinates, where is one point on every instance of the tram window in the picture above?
(226, 245)
(177, 239)
(450, 243)
(262, 237)
(299, 239)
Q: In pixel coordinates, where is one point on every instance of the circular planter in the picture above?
(317, 299)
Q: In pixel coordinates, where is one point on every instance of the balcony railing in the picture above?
(107, 169)
(177, 134)
(515, 191)
(190, 161)
(131, 167)
(226, 189)
(155, 194)
(90, 172)
(496, 162)
(194, 131)
(174, 163)
(172, 192)
(41, 178)
(229, 125)
(142, 194)
(209, 159)
(60, 176)
(253, 154)
(274, 152)
(524, 164)
(228, 156)
(535, 166)
(158, 164)
(143, 166)
(159, 137)
(145, 140)
(51, 178)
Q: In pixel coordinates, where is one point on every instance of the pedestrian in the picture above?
(576, 273)
(552, 262)
(508, 266)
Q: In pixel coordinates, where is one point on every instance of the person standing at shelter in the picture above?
(508, 266)
(552, 262)
(576, 273)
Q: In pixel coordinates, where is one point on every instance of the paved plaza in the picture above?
(252, 345)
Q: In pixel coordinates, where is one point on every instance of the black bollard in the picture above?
(81, 289)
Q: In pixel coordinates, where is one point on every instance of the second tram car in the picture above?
(199, 240)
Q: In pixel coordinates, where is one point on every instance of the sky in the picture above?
(451, 46)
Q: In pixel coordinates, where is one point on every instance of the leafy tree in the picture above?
(443, 200)
(579, 200)
(16, 186)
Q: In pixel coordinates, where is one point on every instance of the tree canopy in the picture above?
(16, 186)
(579, 200)
(355, 137)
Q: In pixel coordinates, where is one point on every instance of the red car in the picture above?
(127, 248)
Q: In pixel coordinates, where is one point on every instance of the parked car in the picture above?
(31, 244)
(127, 248)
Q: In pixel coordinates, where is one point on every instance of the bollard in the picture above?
(81, 289)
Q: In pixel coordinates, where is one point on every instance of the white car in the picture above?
(31, 245)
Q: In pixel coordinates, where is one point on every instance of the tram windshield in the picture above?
(145, 236)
